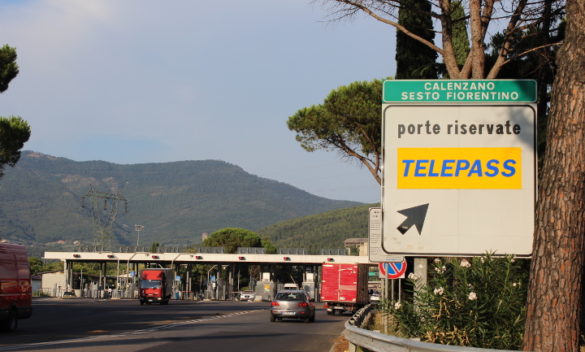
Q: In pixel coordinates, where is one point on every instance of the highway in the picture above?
(123, 325)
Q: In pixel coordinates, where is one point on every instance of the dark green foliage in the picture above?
(8, 66)
(14, 131)
(349, 116)
(415, 60)
(38, 266)
(232, 238)
(315, 232)
(459, 34)
(348, 121)
(154, 247)
(538, 64)
(479, 302)
(175, 202)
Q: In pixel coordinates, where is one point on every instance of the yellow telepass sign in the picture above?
(459, 168)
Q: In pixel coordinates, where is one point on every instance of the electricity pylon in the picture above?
(104, 210)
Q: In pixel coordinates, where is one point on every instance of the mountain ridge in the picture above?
(41, 200)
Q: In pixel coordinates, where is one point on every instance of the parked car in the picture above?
(247, 296)
(293, 304)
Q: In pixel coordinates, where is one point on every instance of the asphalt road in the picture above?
(124, 325)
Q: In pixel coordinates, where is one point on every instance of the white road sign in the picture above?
(458, 179)
(375, 251)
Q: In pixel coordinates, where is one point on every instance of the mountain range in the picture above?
(53, 203)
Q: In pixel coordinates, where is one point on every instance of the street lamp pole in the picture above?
(138, 228)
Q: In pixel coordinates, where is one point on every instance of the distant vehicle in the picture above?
(374, 297)
(156, 285)
(290, 286)
(15, 286)
(344, 287)
(247, 296)
(68, 294)
(294, 304)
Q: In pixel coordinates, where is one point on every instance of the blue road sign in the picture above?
(393, 270)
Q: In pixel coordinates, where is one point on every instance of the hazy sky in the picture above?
(135, 81)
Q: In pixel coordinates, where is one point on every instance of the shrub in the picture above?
(478, 302)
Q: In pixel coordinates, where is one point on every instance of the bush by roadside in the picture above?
(477, 302)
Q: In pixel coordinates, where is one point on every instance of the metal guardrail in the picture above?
(295, 251)
(378, 342)
(251, 250)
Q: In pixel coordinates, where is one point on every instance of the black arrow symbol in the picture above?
(414, 216)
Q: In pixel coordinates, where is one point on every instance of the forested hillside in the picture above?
(326, 230)
(40, 201)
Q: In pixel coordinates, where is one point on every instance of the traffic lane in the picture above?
(257, 333)
(61, 319)
(244, 330)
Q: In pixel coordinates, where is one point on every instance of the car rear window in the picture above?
(290, 296)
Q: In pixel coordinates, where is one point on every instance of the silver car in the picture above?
(247, 296)
(293, 304)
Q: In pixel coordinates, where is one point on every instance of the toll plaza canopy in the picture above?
(192, 258)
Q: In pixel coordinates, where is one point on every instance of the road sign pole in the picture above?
(386, 296)
(399, 290)
(420, 271)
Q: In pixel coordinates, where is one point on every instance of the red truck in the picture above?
(15, 286)
(156, 285)
(344, 287)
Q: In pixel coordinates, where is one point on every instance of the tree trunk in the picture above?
(553, 311)
(477, 47)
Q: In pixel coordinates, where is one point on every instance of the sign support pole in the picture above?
(387, 287)
(399, 290)
(421, 271)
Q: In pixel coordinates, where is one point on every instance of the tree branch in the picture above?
(508, 37)
(374, 169)
(449, 56)
(399, 27)
(524, 53)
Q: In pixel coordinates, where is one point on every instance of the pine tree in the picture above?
(460, 37)
(415, 60)
(14, 131)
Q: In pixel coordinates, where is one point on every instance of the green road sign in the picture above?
(460, 91)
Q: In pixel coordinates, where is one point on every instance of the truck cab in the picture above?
(15, 286)
(156, 285)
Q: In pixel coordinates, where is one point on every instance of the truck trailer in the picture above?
(156, 285)
(344, 287)
(15, 286)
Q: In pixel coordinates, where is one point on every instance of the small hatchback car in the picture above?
(293, 304)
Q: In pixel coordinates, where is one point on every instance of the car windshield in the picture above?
(150, 284)
(290, 296)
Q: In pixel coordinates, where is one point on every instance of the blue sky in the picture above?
(140, 81)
